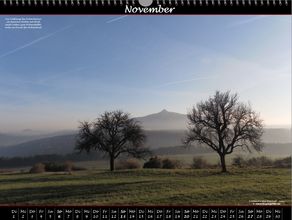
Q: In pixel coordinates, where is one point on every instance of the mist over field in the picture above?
(163, 130)
(137, 78)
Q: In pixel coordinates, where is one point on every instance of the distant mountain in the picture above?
(29, 135)
(163, 129)
(64, 144)
(10, 139)
(164, 120)
(167, 121)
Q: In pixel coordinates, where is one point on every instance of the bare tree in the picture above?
(224, 124)
(114, 133)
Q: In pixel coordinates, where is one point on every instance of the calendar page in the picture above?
(145, 109)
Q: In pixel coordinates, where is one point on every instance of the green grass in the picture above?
(153, 186)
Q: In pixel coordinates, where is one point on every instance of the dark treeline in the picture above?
(29, 161)
(181, 150)
(12, 162)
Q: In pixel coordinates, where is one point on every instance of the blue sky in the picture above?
(76, 67)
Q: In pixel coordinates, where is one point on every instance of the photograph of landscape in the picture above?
(146, 110)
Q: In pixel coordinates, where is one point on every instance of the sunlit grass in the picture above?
(153, 186)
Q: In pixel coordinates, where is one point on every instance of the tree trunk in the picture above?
(223, 164)
(112, 163)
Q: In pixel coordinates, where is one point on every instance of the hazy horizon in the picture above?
(29, 131)
(77, 67)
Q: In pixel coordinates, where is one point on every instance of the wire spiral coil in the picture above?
(136, 2)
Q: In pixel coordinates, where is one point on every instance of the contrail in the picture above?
(116, 19)
(246, 21)
(186, 80)
(33, 42)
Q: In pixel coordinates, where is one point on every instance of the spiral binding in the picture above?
(136, 2)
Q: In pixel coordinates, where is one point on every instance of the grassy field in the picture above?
(153, 186)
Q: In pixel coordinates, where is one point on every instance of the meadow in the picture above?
(147, 187)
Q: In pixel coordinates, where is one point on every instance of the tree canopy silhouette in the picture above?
(224, 124)
(114, 133)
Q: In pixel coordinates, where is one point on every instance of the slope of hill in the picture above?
(22, 137)
(9, 139)
(164, 120)
(64, 144)
(165, 129)
(53, 145)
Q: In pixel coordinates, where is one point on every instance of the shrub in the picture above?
(54, 167)
(38, 168)
(67, 166)
(153, 162)
(239, 161)
(199, 163)
(128, 164)
(75, 168)
(171, 164)
(283, 163)
(260, 161)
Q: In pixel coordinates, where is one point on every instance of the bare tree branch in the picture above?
(223, 124)
(114, 133)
